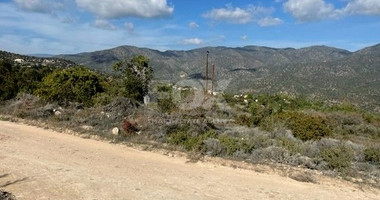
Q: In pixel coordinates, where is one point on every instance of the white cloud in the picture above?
(236, 15)
(230, 14)
(193, 25)
(363, 7)
(27, 35)
(311, 10)
(104, 24)
(192, 41)
(39, 6)
(111, 9)
(269, 21)
(244, 37)
(130, 27)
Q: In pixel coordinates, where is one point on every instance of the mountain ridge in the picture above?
(316, 71)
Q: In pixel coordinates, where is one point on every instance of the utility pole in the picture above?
(213, 78)
(206, 77)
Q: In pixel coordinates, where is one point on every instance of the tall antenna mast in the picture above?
(206, 77)
(213, 78)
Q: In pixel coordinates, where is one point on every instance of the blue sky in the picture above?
(73, 26)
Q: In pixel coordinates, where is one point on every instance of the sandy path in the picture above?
(43, 164)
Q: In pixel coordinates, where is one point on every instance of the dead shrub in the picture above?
(129, 127)
(306, 177)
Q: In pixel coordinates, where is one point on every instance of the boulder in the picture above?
(116, 131)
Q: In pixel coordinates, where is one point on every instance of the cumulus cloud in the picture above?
(230, 14)
(39, 6)
(244, 37)
(363, 7)
(130, 27)
(104, 24)
(193, 25)
(269, 21)
(112, 9)
(236, 15)
(311, 10)
(192, 41)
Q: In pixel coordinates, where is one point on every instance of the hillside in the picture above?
(317, 71)
(29, 61)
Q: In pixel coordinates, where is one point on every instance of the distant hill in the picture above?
(29, 61)
(41, 55)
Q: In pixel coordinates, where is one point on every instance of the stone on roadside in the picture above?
(116, 131)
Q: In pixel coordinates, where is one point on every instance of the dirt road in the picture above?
(42, 164)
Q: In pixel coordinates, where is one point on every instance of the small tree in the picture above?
(137, 75)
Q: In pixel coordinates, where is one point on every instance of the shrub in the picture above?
(212, 147)
(77, 84)
(190, 142)
(164, 88)
(372, 155)
(231, 144)
(229, 98)
(293, 146)
(119, 108)
(166, 105)
(8, 80)
(277, 154)
(337, 157)
(371, 118)
(30, 78)
(308, 127)
(129, 127)
(244, 120)
(306, 177)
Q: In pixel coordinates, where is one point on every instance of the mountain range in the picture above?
(320, 72)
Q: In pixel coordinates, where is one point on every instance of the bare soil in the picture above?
(39, 163)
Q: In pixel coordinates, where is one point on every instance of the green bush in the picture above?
(77, 84)
(166, 105)
(8, 80)
(188, 141)
(164, 88)
(338, 157)
(308, 127)
(372, 118)
(293, 146)
(244, 120)
(229, 98)
(30, 78)
(372, 155)
(231, 144)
